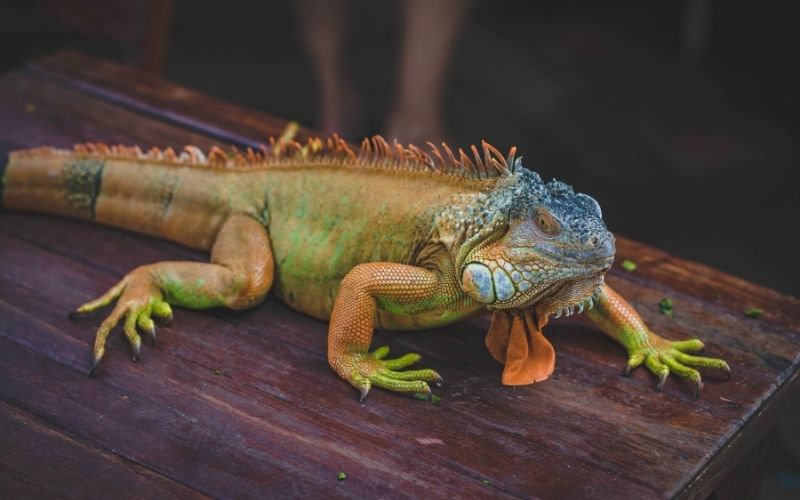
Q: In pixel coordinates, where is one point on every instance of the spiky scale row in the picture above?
(374, 152)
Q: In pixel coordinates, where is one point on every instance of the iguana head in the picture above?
(541, 245)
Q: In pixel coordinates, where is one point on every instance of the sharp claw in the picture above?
(95, 364)
(74, 315)
(662, 381)
(152, 335)
(580, 308)
(364, 393)
(439, 382)
(627, 371)
(697, 388)
(137, 354)
(558, 314)
(428, 395)
(727, 370)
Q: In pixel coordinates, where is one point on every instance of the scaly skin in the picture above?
(383, 235)
(620, 321)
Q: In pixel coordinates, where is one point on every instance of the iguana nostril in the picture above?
(606, 247)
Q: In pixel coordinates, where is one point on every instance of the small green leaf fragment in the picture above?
(628, 265)
(665, 305)
(487, 482)
(341, 476)
(218, 371)
(434, 398)
(754, 312)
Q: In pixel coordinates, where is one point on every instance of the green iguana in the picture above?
(386, 234)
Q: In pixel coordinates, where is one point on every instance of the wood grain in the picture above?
(243, 404)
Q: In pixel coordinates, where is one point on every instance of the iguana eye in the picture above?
(547, 223)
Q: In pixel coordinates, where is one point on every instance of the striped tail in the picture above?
(40, 181)
(134, 192)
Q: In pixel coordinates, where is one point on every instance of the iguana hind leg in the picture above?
(396, 287)
(239, 276)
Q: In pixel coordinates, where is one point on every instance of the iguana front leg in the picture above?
(239, 276)
(395, 287)
(616, 317)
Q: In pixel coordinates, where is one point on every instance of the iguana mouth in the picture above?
(548, 291)
(567, 297)
(602, 255)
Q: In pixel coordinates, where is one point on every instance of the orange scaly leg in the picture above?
(239, 276)
(397, 288)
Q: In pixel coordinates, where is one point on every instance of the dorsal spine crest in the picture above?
(374, 152)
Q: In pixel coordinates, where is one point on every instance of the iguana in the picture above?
(383, 235)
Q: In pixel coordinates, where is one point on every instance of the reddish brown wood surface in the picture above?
(243, 404)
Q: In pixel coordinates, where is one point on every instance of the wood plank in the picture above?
(658, 269)
(52, 462)
(148, 95)
(12, 485)
(177, 445)
(37, 112)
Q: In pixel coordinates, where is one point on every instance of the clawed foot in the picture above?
(663, 357)
(139, 301)
(368, 369)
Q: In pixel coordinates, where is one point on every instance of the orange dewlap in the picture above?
(515, 339)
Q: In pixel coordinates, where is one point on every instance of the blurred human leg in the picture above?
(323, 25)
(428, 35)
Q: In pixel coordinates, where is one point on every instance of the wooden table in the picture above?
(243, 404)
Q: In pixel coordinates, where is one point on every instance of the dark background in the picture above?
(680, 117)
